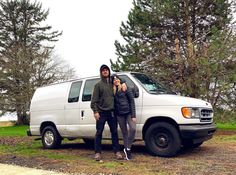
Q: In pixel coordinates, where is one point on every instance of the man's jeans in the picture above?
(128, 134)
(108, 117)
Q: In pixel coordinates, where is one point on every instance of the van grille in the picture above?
(206, 115)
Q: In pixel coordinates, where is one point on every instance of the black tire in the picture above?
(89, 142)
(162, 139)
(51, 138)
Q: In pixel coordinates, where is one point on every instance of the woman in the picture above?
(125, 112)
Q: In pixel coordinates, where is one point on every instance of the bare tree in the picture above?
(25, 63)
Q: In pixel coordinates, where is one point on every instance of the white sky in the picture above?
(90, 28)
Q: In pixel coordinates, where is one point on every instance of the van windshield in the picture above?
(151, 85)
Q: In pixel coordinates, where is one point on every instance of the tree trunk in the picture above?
(20, 117)
(188, 32)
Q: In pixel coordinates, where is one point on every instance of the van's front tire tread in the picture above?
(162, 139)
(54, 134)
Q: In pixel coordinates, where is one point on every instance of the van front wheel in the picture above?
(50, 138)
(162, 139)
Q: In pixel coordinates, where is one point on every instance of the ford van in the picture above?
(166, 121)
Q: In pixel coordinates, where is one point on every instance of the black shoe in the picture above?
(127, 154)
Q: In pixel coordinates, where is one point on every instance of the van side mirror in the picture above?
(176, 93)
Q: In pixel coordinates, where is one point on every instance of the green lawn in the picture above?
(22, 147)
(226, 126)
(14, 130)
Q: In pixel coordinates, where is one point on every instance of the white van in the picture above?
(165, 121)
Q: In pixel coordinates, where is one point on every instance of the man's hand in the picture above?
(96, 116)
(134, 119)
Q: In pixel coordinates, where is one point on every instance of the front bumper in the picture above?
(197, 133)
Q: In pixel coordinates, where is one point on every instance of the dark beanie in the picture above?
(105, 67)
(113, 76)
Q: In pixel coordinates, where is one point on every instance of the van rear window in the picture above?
(74, 92)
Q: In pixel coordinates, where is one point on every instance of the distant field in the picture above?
(6, 123)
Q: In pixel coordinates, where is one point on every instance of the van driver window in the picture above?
(88, 89)
(128, 81)
(130, 84)
(74, 92)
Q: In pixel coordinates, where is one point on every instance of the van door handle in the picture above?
(82, 113)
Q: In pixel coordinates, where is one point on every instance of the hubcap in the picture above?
(161, 140)
(49, 138)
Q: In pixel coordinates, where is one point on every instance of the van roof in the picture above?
(70, 80)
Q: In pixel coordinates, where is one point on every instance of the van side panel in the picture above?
(48, 105)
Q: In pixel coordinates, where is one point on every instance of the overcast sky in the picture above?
(90, 28)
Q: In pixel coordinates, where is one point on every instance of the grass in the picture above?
(143, 164)
(30, 149)
(111, 164)
(224, 116)
(226, 126)
(14, 130)
(35, 148)
(231, 138)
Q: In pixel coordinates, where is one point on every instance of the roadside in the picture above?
(18, 170)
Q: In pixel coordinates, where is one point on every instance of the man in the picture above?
(102, 104)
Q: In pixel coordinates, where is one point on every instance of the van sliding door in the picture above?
(87, 121)
(72, 112)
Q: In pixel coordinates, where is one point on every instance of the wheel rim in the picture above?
(161, 139)
(48, 138)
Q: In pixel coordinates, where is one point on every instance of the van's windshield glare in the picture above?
(151, 85)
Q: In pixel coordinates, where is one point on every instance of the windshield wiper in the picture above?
(159, 91)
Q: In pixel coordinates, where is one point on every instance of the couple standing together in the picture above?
(112, 102)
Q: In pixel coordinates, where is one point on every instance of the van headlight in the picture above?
(190, 112)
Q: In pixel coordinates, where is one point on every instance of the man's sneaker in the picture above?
(97, 156)
(118, 155)
(127, 154)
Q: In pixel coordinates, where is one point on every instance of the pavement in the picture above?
(18, 170)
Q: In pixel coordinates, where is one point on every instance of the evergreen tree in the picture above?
(175, 40)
